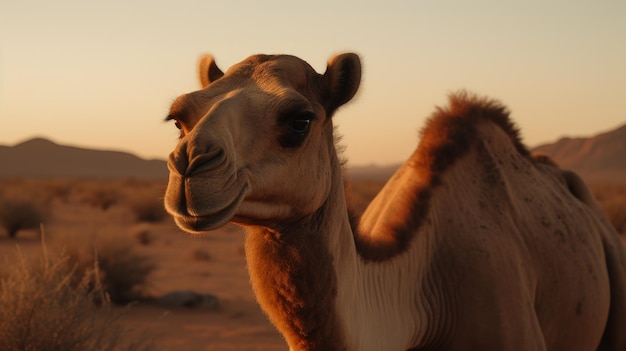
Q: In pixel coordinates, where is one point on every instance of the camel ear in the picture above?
(208, 72)
(343, 76)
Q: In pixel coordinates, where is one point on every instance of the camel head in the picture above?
(256, 144)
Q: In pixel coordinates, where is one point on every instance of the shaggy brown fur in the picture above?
(448, 135)
(300, 282)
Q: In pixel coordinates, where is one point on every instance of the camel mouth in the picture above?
(199, 224)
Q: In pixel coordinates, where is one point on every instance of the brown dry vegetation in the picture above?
(44, 308)
(147, 205)
(123, 271)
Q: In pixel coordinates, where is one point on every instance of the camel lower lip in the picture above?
(199, 224)
(205, 223)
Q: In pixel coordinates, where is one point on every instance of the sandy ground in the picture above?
(213, 264)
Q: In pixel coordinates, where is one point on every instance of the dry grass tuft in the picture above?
(43, 309)
(123, 272)
(56, 189)
(147, 206)
(101, 194)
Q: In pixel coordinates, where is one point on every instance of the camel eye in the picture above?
(177, 124)
(297, 130)
(300, 125)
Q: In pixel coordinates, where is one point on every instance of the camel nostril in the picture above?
(207, 161)
(177, 162)
(188, 160)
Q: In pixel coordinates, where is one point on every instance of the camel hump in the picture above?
(451, 131)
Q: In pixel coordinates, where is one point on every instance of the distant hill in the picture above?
(598, 158)
(39, 158)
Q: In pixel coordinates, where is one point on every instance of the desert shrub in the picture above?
(100, 194)
(60, 189)
(43, 191)
(147, 206)
(42, 309)
(20, 213)
(123, 271)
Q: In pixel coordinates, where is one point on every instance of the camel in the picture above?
(473, 244)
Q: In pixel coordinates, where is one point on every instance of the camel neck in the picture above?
(293, 272)
(322, 294)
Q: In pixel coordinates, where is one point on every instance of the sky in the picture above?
(102, 74)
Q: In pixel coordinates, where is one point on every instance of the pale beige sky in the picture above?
(102, 74)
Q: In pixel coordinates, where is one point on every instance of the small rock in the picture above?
(189, 299)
